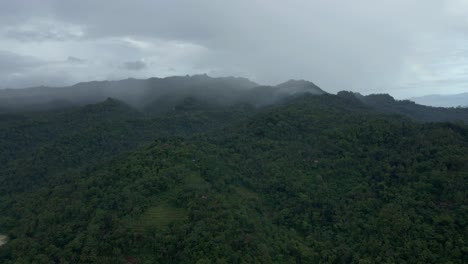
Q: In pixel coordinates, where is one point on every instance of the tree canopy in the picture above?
(313, 179)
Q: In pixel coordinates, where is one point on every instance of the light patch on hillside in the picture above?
(3, 240)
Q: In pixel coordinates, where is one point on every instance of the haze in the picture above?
(405, 48)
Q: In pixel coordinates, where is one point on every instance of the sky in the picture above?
(405, 48)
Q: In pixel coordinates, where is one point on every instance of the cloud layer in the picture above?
(406, 48)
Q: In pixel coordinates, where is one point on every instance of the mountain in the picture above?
(309, 179)
(149, 94)
(385, 103)
(158, 95)
(300, 86)
(452, 100)
(135, 92)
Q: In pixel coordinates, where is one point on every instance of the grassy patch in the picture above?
(195, 181)
(160, 216)
(246, 193)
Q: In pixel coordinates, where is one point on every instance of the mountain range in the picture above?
(221, 170)
(160, 94)
(143, 93)
(452, 100)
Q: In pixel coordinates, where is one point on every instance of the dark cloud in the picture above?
(134, 65)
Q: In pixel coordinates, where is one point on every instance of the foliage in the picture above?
(315, 179)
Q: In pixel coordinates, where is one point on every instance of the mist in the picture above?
(156, 94)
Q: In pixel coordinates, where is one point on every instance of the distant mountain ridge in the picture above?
(158, 95)
(143, 93)
(439, 100)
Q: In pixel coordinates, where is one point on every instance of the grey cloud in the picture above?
(11, 63)
(134, 65)
(26, 71)
(30, 35)
(75, 60)
(34, 79)
(43, 29)
(363, 45)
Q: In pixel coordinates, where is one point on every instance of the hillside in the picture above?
(37, 145)
(310, 179)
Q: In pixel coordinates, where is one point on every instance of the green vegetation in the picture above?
(159, 217)
(314, 179)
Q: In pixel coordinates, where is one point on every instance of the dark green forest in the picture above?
(309, 179)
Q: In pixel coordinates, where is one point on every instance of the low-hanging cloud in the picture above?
(76, 60)
(363, 45)
(134, 65)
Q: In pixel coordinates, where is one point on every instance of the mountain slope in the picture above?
(22, 132)
(313, 179)
(35, 146)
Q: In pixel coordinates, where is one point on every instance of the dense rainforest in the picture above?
(310, 178)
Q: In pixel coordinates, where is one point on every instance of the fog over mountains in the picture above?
(155, 95)
(142, 93)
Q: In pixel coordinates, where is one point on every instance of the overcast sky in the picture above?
(404, 47)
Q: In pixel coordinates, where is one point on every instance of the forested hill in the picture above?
(34, 146)
(310, 179)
